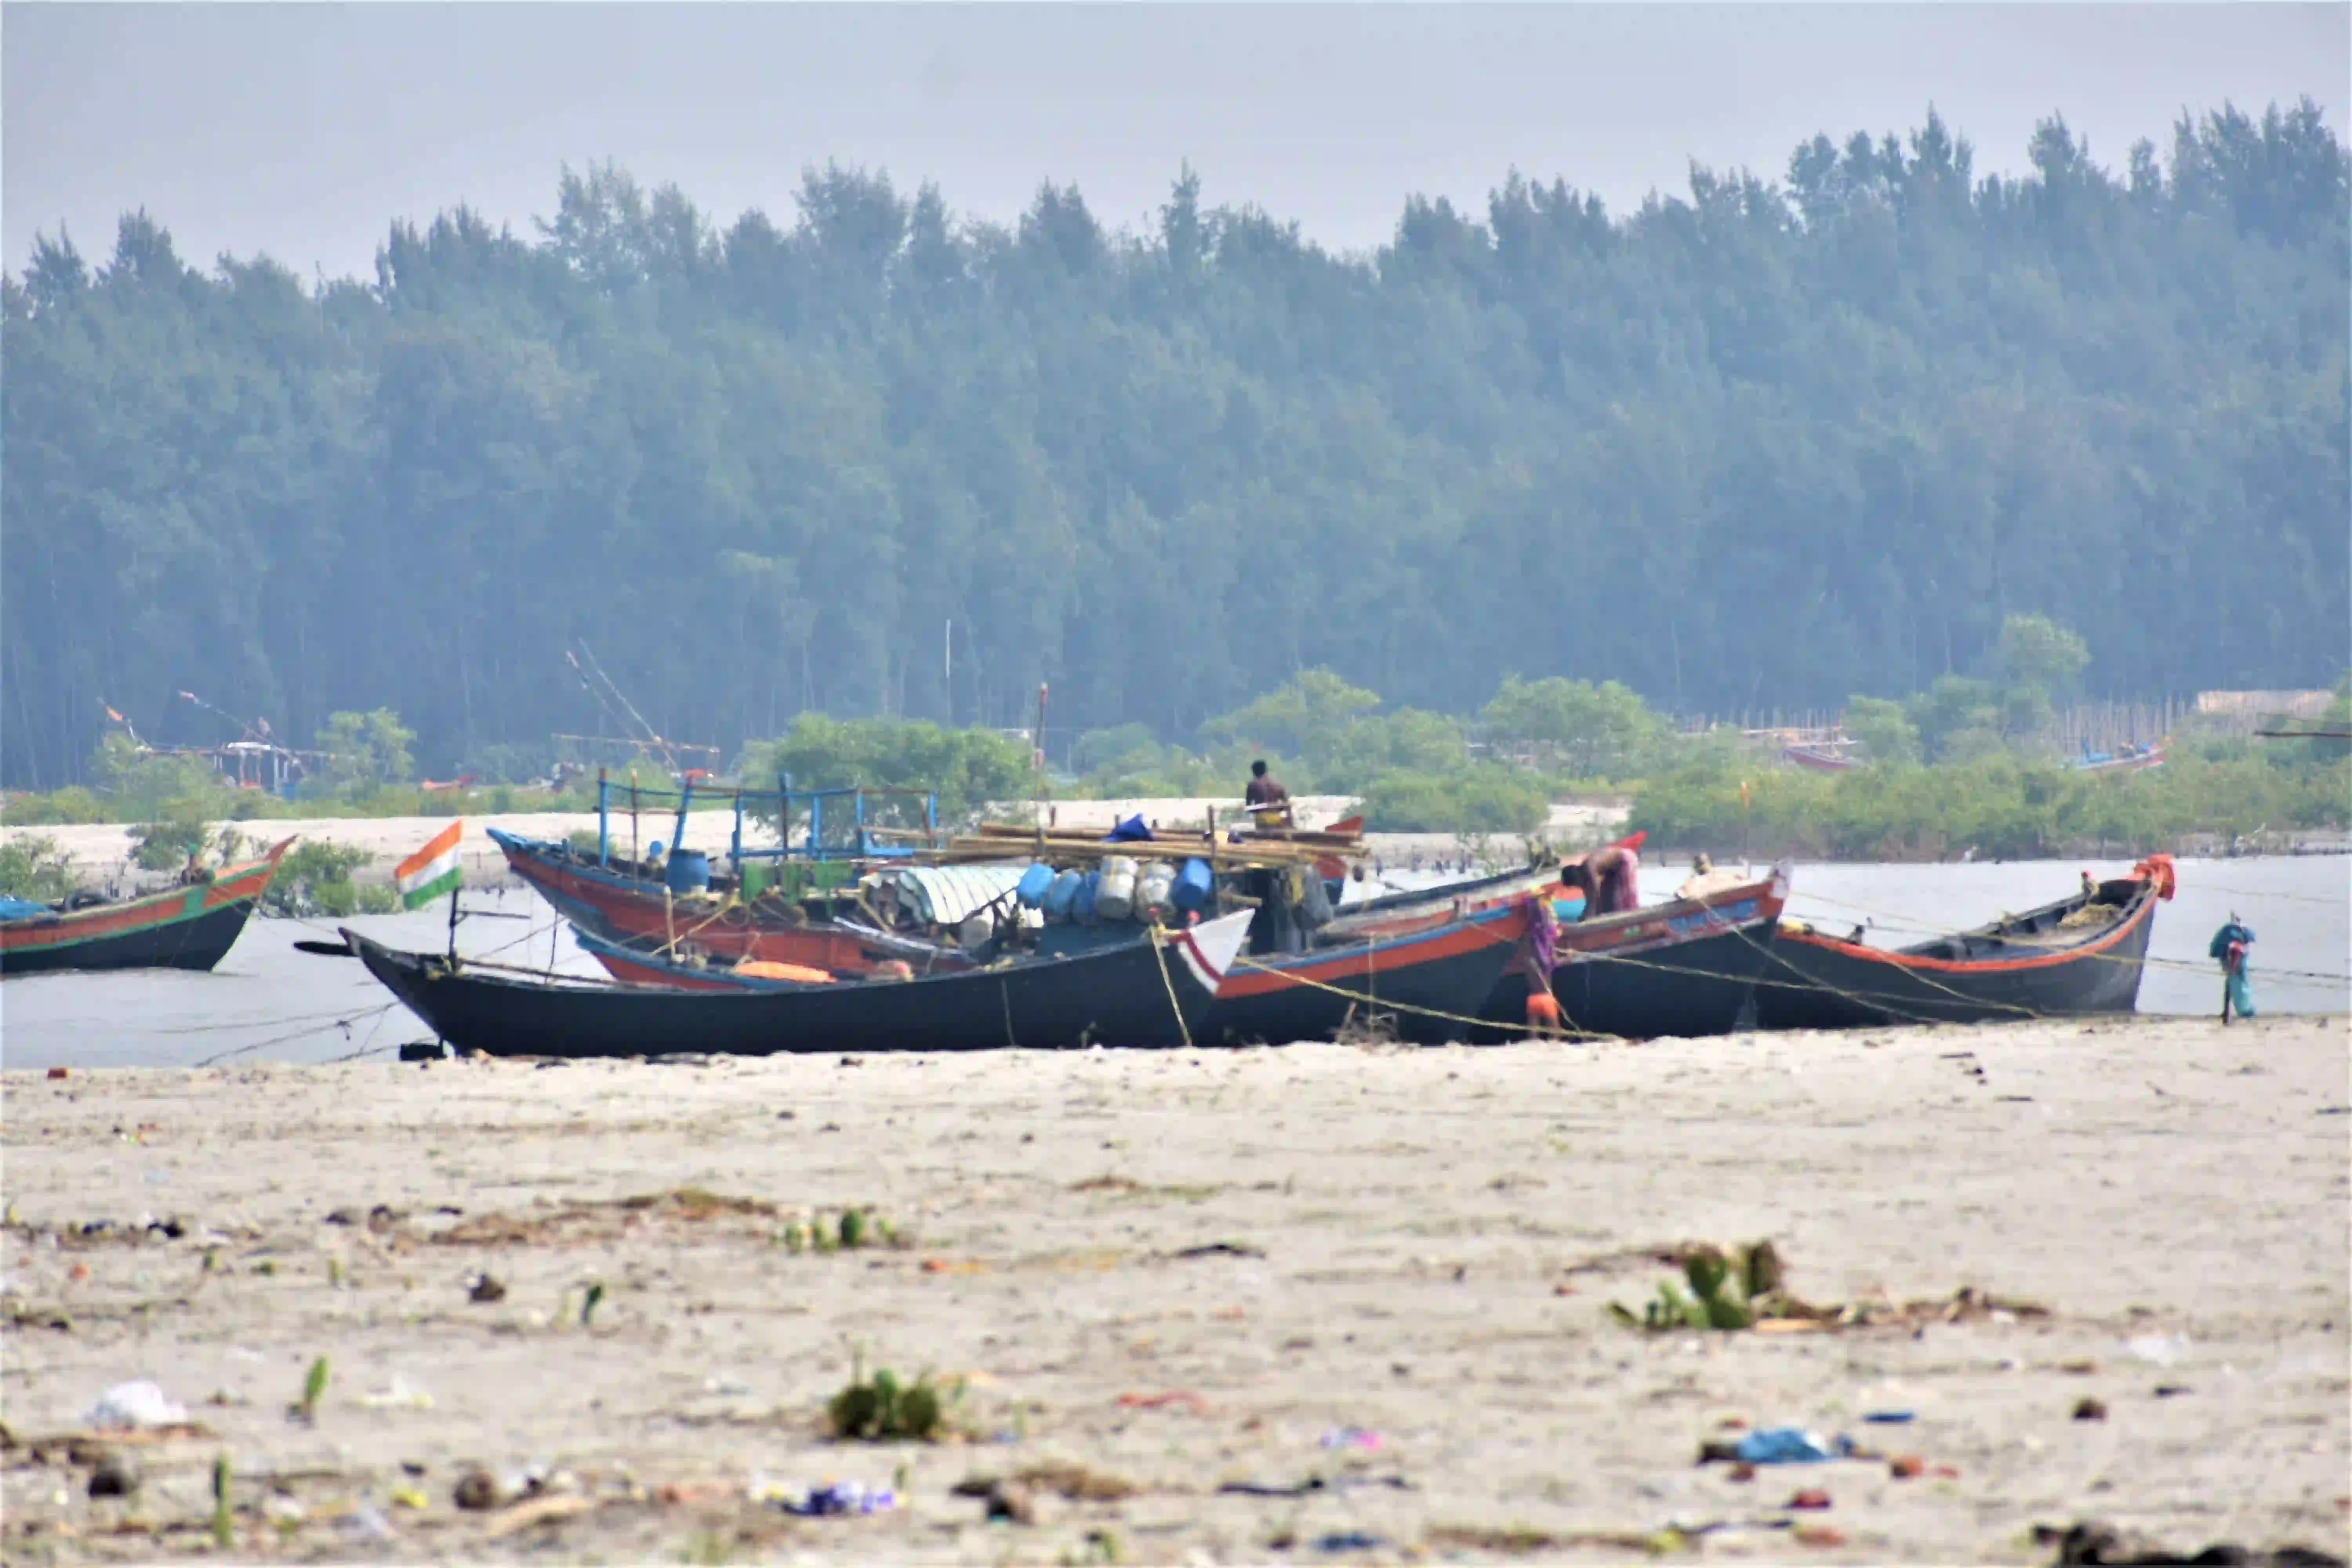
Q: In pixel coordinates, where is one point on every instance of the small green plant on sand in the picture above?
(882, 1408)
(223, 1523)
(314, 1388)
(1726, 1291)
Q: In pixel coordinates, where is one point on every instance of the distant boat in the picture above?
(1815, 760)
(2080, 955)
(191, 926)
(2129, 760)
(1153, 991)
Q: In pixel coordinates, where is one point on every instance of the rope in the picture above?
(1159, 952)
(1407, 1006)
(343, 1024)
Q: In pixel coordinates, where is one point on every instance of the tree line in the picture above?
(1762, 441)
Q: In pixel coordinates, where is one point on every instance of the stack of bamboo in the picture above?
(1271, 847)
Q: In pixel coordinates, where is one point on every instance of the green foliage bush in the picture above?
(33, 867)
(966, 768)
(315, 878)
(1475, 797)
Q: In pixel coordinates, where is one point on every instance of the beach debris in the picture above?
(1351, 1437)
(1823, 1535)
(1220, 1249)
(1172, 1398)
(411, 1497)
(1013, 1503)
(588, 1302)
(1349, 1541)
(1811, 1500)
(1888, 1417)
(836, 1499)
(486, 1289)
(1779, 1445)
(2094, 1545)
(365, 1523)
(1907, 1466)
(539, 1510)
(883, 1408)
(113, 1476)
(2172, 1390)
(56, 1073)
(2159, 1350)
(2090, 1410)
(401, 1395)
(477, 1492)
(134, 1406)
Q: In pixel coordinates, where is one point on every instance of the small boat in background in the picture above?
(2128, 760)
(191, 926)
(1153, 991)
(1815, 760)
(2080, 955)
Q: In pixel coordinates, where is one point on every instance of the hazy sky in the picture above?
(302, 130)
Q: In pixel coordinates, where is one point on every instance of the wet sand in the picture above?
(1181, 1271)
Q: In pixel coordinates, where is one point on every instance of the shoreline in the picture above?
(1165, 1275)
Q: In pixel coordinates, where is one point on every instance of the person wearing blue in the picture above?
(2229, 948)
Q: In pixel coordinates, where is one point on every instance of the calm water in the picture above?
(268, 1002)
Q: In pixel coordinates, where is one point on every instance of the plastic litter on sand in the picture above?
(1789, 1445)
(132, 1406)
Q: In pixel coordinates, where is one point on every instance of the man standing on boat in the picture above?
(1269, 802)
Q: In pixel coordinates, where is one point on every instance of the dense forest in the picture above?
(1763, 443)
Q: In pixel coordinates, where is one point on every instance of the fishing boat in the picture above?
(1681, 969)
(1428, 982)
(2080, 955)
(191, 926)
(632, 901)
(1154, 991)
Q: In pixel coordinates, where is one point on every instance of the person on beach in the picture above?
(1269, 802)
(1609, 878)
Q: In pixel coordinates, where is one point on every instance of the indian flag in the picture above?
(432, 870)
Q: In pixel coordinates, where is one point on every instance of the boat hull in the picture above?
(1430, 983)
(1141, 993)
(181, 927)
(1820, 983)
(1681, 970)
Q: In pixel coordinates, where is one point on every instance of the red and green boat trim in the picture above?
(189, 927)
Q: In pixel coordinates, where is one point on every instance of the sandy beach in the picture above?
(1375, 1281)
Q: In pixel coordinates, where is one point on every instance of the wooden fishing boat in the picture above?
(1430, 980)
(2077, 956)
(630, 903)
(1680, 969)
(191, 926)
(1154, 991)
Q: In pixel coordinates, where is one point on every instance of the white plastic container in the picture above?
(1155, 888)
(1115, 899)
